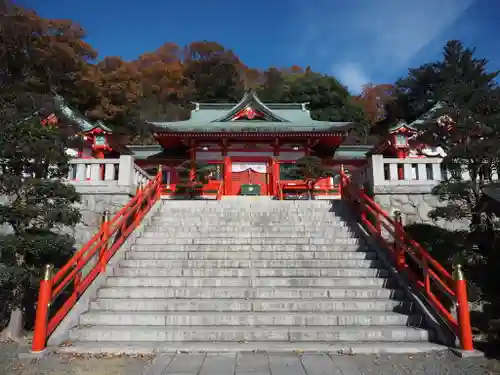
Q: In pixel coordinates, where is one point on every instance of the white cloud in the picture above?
(377, 35)
(351, 75)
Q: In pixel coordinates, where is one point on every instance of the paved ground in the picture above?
(69, 365)
(318, 364)
(248, 364)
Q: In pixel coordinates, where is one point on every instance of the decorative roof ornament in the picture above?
(250, 113)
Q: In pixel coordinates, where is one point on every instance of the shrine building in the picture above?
(249, 143)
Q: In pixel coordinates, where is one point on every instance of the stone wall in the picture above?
(415, 205)
(94, 201)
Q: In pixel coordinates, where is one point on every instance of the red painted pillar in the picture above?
(272, 177)
(401, 172)
(228, 176)
(464, 325)
(275, 171)
(192, 171)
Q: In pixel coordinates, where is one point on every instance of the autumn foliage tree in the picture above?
(374, 100)
(162, 84)
(37, 58)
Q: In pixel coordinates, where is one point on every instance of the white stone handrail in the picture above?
(415, 171)
(140, 176)
(392, 174)
(107, 174)
(93, 170)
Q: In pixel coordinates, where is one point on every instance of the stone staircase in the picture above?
(250, 274)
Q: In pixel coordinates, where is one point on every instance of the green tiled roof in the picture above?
(76, 117)
(282, 117)
(252, 126)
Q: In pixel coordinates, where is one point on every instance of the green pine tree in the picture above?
(192, 187)
(310, 169)
(467, 94)
(36, 206)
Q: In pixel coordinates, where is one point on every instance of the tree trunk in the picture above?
(15, 330)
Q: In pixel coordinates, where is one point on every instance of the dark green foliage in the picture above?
(36, 204)
(274, 88)
(310, 169)
(463, 89)
(328, 99)
(445, 246)
(468, 94)
(188, 187)
(212, 73)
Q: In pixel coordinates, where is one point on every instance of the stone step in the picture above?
(282, 264)
(247, 334)
(262, 282)
(294, 293)
(266, 207)
(235, 226)
(253, 255)
(192, 234)
(253, 203)
(287, 221)
(263, 218)
(250, 248)
(248, 272)
(264, 212)
(223, 305)
(243, 319)
(155, 347)
(247, 241)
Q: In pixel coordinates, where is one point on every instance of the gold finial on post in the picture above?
(105, 216)
(458, 273)
(47, 274)
(139, 187)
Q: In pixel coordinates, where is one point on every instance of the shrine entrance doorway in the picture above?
(248, 175)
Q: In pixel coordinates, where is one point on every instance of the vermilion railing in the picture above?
(299, 186)
(220, 191)
(212, 189)
(74, 277)
(442, 290)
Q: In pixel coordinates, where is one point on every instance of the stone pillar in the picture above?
(126, 170)
(375, 170)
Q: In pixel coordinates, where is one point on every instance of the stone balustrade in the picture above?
(106, 175)
(406, 185)
(417, 175)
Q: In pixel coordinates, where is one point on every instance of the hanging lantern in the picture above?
(400, 140)
(99, 140)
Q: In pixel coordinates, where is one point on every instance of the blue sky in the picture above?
(358, 41)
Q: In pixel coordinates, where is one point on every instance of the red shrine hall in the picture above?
(250, 144)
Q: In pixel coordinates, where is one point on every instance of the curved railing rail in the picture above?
(298, 187)
(220, 191)
(70, 281)
(442, 290)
